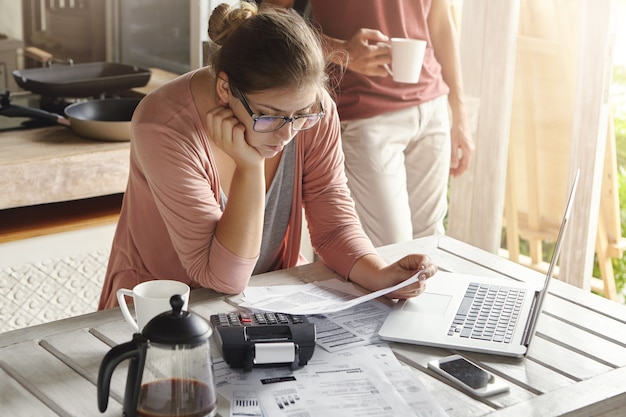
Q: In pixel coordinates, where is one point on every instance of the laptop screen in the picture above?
(536, 310)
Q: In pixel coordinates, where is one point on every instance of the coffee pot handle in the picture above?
(134, 350)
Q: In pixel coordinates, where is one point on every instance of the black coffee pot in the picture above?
(170, 371)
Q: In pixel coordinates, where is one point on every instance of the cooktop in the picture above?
(27, 99)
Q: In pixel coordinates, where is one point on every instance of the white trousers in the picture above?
(398, 165)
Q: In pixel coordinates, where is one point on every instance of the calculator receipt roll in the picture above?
(274, 353)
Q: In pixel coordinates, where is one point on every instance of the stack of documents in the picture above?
(364, 381)
(355, 374)
(346, 327)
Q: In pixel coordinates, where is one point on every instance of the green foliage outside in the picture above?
(619, 265)
(618, 103)
(618, 100)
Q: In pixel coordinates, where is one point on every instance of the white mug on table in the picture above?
(407, 56)
(150, 298)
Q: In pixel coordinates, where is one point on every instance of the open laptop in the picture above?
(445, 314)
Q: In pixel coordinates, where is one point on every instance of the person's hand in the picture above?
(404, 269)
(371, 273)
(228, 133)
(462, 149)
(365, 55)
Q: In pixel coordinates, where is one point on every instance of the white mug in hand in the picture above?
(407, 56)
(151, 298)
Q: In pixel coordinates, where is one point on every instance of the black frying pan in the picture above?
(81, 80)
(104, 119)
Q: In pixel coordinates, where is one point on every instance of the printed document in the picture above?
(363, 381)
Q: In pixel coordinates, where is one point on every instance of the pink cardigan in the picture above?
(171, 205)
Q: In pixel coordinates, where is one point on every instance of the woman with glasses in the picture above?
(224, 159)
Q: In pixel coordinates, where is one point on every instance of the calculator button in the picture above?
(222, 319)
(234, 319)
(260, 318)
(282, 318)
(271, 318)
(245, 319)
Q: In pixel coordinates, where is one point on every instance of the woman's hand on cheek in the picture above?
(228, 133)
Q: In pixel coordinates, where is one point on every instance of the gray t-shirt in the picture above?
(277, 208)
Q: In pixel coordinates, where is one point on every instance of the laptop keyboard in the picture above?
(488, 312)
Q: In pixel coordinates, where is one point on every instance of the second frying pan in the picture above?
(103, 119)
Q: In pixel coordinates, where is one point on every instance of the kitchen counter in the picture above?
(53, 164)
(48, 165)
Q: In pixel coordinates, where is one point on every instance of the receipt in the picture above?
(318, 299)
(274, 353)
(342, 305)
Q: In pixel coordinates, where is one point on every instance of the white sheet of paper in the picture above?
(318, 299)
(346, 391)
(379, 386)
(345, 329)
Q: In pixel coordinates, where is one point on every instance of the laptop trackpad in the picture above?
(428, 303)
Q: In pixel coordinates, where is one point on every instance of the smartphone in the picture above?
(468, 376)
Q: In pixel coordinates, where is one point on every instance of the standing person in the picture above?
(399, 142)
(224, 158)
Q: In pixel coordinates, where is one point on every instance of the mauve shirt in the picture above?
(360, 96)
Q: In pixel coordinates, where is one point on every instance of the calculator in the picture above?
(253, 339)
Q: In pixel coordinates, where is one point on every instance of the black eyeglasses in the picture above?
(266, 124)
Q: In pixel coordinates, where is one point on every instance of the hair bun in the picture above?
(225, 19)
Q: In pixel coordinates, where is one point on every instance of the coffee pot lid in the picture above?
(177, 327)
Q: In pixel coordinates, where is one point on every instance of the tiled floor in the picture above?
(52, 277)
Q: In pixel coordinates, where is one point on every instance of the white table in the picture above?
(576, 364)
